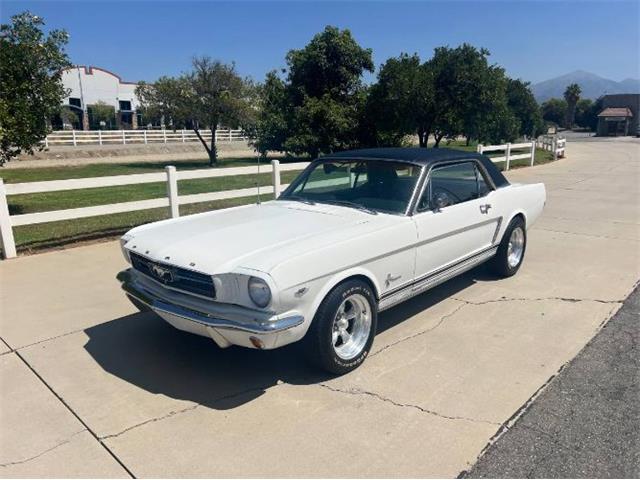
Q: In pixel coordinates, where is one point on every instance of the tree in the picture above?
(322, 97)
(165, 99)
(402, 100)
(100, 113)
(554, 110)
(31, 88)
(68, 116)
(524, 108)
(590, 119)
(470, 96)
(571, 96)
(217, 94)
(583, 110)
(212, 93)
(274, 120)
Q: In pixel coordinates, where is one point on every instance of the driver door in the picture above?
(455, 219)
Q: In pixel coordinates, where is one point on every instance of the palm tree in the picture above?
(571, 95)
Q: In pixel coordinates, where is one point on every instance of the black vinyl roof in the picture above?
(420, 156)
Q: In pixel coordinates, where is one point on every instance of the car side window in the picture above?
(483, 188)
(452, 184)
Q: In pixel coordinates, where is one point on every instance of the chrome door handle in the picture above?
(484, 209)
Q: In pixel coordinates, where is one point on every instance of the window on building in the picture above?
(125, 105)
(75, 102)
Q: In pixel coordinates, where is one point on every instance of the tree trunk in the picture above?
(213, 151)
(423, 135)
(204, 143)
(438, 137)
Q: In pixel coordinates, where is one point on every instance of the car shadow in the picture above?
(145, 351)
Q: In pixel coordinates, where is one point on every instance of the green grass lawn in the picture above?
(47, 235)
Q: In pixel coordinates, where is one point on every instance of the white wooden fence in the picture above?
(553, 143)
(509, 155)
(172, 200)
(125, 137)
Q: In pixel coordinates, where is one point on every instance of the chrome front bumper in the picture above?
(243, 321)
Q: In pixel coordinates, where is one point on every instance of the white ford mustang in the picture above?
(356, 233)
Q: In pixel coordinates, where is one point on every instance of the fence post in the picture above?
(479, 148)
(508, 155)
(172, 190)
(164, 135)
(6, 231)
(100, 137)
(124, 140)
(555, 148)
(183, 140)
(275, 177)
(145, 137)
(229, 135)
(46, 142)
(73, 134)
(533, 152)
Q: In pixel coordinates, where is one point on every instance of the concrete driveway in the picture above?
(92, 388)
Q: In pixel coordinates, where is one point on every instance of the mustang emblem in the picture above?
(164, 274)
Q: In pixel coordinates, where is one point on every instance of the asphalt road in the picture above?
(586, 423)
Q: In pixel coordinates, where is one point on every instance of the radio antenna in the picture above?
(258, 180)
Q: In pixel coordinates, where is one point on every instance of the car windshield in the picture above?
(369, 185)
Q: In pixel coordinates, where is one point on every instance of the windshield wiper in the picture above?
(347, 203)
(297, 198)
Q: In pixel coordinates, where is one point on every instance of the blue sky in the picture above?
(533, 40)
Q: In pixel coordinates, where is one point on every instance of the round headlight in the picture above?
(259, 292)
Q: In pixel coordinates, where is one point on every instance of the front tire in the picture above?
(510, 254)
(343, 329)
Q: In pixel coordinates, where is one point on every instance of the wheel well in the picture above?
(362, 278)
(521, 215)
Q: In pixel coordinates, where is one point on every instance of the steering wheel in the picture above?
(450, 198)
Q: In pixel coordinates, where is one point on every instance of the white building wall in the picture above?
(93, 84)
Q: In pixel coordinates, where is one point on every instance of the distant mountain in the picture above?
(592, 85)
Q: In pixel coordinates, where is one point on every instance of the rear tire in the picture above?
(511, 250)
(342, 332)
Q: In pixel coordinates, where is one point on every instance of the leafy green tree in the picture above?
(402, 100)
(554, 111)
(583, 111)
(322, 97)
(218, 95)
(100, 112)
(571, 96)
(31, 88)
(212, 93)
(274, 115)
(166, 99)
(68, 116)
(524, 108)
(470, 96)
(590, 117)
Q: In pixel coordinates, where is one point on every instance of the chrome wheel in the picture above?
(515, 249)
(351, 326)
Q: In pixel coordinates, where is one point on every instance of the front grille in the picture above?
(174, 277)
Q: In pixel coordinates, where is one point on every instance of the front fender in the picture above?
(316, 291)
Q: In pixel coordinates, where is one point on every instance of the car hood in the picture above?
(219, 241)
